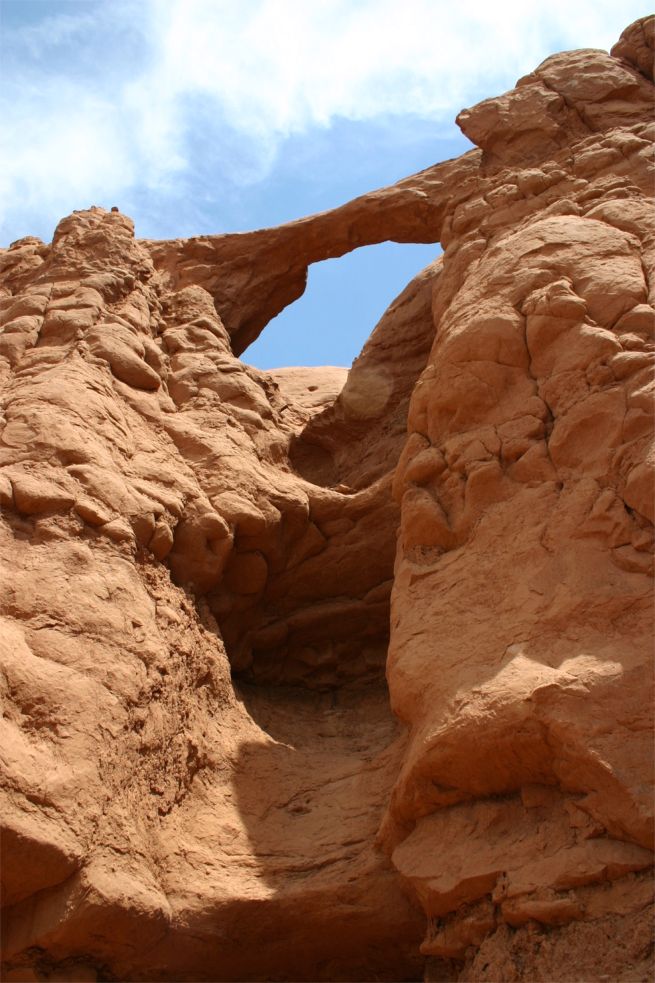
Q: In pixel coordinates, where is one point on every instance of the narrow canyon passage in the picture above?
(313, 764)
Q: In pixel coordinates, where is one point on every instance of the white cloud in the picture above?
(280, 65)
(120, 94)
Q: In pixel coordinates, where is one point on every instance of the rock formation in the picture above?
(202, 579)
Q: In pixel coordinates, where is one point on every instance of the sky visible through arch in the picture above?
(209, 116)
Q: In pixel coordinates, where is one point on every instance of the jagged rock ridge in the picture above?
(201, 776)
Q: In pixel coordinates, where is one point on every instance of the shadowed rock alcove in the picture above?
(310, 598)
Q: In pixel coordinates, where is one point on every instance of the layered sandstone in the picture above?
(207, 571)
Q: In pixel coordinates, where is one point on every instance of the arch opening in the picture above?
(343, 300)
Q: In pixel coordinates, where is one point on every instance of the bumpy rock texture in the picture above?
(202, 583)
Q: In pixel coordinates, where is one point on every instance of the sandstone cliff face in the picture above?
(201, 777)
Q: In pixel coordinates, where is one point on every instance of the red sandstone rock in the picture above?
(201, 778)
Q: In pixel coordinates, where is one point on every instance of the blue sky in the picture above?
(208, 116)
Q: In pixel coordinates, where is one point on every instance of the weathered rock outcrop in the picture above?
(201, 777)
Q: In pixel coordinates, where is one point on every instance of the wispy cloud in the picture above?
(113, 95)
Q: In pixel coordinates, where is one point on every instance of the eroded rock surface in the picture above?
(201, 776)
